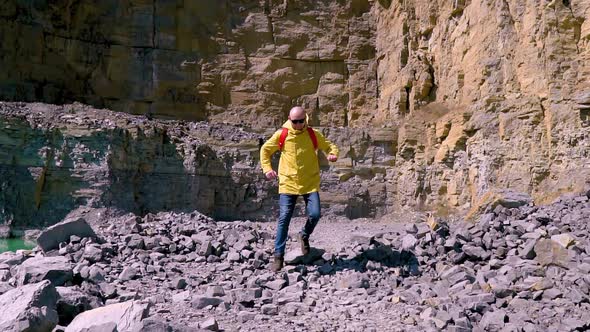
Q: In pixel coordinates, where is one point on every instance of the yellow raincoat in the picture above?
(299, 169)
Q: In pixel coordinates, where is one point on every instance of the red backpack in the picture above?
(285, 132)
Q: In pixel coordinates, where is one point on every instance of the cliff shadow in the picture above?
(149, 173)
(38, 189)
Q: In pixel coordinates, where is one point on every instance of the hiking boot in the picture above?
(304, 241)
(277, 264)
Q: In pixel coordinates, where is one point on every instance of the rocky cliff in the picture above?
(436, 104)
(485, 95)
(55, 159)
(217, 60)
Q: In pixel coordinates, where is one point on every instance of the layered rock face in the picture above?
(193, 60)
(55, 159)
(434, 104)
(485, 94)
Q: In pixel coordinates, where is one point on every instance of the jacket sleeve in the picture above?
(267, 150)
(325, 145)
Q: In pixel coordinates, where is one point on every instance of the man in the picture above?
(299, 175)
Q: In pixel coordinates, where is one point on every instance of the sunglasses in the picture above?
(298, 121)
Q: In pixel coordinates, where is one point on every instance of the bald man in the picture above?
(298, 174)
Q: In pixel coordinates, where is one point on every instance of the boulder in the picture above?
(50, 238)
(295, 257)
(73, 301)
(550, 252)
(153, 325)
(126, 316)
(57, 269)
(29, 308)
(499, 197)
(4, 231)
(11, 258)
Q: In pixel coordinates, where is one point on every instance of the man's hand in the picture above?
(271, 175)
(332, 158)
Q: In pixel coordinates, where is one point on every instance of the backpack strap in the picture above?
(314, 139)
(282, 138)
(285, 132)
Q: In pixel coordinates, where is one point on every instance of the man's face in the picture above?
(298, 120)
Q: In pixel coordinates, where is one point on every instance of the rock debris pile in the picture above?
(514, 269)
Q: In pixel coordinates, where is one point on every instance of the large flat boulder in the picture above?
(57, 270)
(29, 308)
(126, 316)
(50, 238)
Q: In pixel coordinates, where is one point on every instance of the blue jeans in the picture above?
(286, 207)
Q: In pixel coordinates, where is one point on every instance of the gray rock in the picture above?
(493, 320)
(353, 281)
(126, 316)
(4, 274)
(246, 296)
(448, 272)
(289, 297)
(57, 269)
(513, 199)
(93, 253)
(50, 238)
(477, 301)
(11, 258)
(500, 287)
(234, 256)
(269, 309)
(411, 228)
(96, 274)
(105, 327)
(210, 324)
(550, 252)
(528, 251)
(244, 316)
(583, 97)
(576, 296)
(108, 291)
(73, 301)
(29, 308)
(215, 291)
(552, 293)
(476, 252)
(276, 284)
(178, 283)
(135, 241)
(181, 297)
(574, 324)
(4, 231)
(200, 302)
(154, 325)
(5, 287)
(128, 273)
(409, 242)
